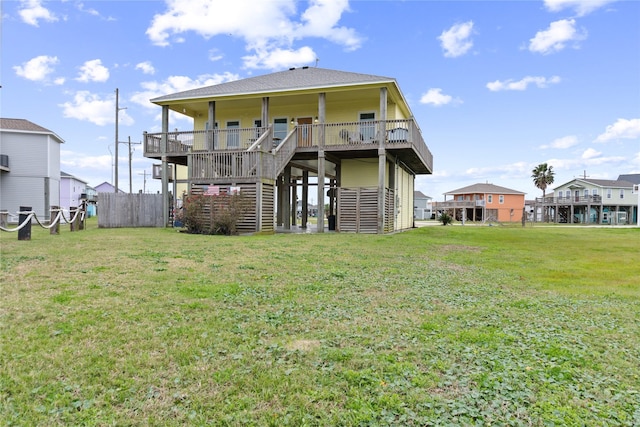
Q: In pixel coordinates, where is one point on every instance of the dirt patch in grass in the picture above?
(303, 345)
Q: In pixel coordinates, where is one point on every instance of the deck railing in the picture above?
(239, 164)
(569, 200)
(395, 133)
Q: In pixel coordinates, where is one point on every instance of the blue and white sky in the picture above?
(497, 87)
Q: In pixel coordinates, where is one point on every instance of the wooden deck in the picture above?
(254, 153)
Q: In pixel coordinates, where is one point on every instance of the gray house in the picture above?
(29, 167)
(593, 201)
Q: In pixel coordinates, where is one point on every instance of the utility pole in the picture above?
(144, 182)
(130, 155)
(116, 142)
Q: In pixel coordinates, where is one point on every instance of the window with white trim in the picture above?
(608, 193)
(490, 198)
(622, 193)
(368, 128)
(501, 199)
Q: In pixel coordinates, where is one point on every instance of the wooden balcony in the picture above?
(571, 200)
(459, 204)
(401, 137)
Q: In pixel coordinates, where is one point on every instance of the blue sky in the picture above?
(497, 87)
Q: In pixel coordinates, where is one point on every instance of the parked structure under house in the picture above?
(349, 138)
(484, 202)
(592, 201)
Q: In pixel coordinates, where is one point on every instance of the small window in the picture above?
(490, 198)
(501, 199)
(621, 193)
(460, 198)
(586, 192)
(567, 194)
(608, 193)
(594, 192)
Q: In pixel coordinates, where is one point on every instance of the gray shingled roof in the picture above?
(293, 79)
(482, 189)
(607, 182)
(632, 177)
(21, 124)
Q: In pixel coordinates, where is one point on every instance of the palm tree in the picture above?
(542, 177)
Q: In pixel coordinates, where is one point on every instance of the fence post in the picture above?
(25, 232)
(74, 219)
(55, 230)
(4, 216)
(83, 214)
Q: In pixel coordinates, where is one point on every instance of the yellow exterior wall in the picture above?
(359, 173)
(404, 199)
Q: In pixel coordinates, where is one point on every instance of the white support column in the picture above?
(320, 215)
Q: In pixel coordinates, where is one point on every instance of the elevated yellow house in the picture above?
(349, 137)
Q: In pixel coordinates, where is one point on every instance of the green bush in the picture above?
(445, 218)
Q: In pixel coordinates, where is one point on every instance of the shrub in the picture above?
(445, 218)
(214, 214)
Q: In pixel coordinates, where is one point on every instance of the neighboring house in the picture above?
(105, 187)
(29, 167)
(350, 137)
(92, 199)
(592, 201)
(484, 202)
(72, 191)
(422, 205)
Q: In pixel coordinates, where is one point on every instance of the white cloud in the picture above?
(511, 170)
(269, 28)
(522, 84)
(280, 58)
(556, 37)
(146, 67)
(72, 159)
(590, 153)
(90, 107)
(175, 84)
(456, 40)
(32, 10)
(434, 96)
(93, 71)
(562, 143)
(215, 55)
(621, 129)
(581, 7)
(38, 69)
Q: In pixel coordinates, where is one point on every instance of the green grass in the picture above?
(435, 326)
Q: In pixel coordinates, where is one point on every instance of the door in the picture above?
(304, 132)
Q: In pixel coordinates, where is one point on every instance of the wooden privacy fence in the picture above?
(129, 210)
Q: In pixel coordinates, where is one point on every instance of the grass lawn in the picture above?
(435, 326)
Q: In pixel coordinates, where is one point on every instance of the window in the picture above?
(586, 192)
(368, 128)
(621, 193)
(594, 192)
(608, 193)
(501, 199)
(460, 198)
(257, 123)
(567, 194)
(233, 134)
(490, 198)
(280, 128)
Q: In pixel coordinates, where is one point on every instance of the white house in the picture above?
(29, 167)
(422, 205)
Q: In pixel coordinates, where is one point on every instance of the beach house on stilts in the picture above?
(346, 140)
